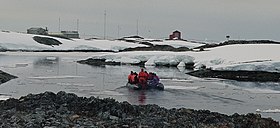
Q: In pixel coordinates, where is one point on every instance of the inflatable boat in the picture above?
(138, 86)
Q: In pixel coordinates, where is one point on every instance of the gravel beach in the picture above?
(68, 110)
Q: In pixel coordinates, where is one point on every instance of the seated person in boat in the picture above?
(131, 78)
(153, 80)
(142, 77)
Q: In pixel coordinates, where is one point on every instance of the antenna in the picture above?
(59, 24)
(137, 32)
(105, 24)
(118, 31)
(78, 25)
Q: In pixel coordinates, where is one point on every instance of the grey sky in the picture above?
(196, 19)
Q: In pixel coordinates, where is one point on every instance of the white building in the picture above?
(71, 34)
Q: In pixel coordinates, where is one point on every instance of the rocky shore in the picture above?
(65, 110)
(232, 42)
(103, 62)
(157, 48)
(4, 77)
(257, 76)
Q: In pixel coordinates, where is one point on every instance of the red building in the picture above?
(176, 35)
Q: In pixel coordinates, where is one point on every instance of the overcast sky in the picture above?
(196, 19)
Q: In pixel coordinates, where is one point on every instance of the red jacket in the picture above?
(143, 75)
(131, 78)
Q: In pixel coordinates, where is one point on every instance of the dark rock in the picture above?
(98, 62)
(232, 42)
(46, 40)
(102, 62)
(259, 76)
(44, 110)
(4, 77)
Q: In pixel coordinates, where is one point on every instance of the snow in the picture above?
(259, 57)
(4, 97)
(20, 41)
(178, 43)
(268, 111)
(181, 64)
(152, 57)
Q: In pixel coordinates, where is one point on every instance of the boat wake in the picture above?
(56, 77)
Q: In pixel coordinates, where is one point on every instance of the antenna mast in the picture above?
(105, 24)
(137, 32)
(118, 31)
(59, 24)
(78, 25)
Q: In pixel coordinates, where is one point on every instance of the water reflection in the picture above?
(142, 97)
(136, 96)
(255, 85)
(49, 61)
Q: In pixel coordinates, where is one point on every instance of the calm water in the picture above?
(40, 72)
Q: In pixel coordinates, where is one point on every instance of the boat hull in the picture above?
(159, 86)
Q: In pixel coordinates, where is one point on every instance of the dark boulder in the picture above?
(103, 62)
(4, 77)
(46, 40)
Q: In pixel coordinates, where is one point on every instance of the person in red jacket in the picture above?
(142, 77)
(130, 78)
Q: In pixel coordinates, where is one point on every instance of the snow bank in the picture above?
(251, 57)
(269, 111)
(178, 43)
(152, 58)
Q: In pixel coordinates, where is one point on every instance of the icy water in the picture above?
(40, 72)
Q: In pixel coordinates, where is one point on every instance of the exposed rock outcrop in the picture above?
(259, 76)
(46, 41)
(4, 77)
(157, 48)
(232, 42)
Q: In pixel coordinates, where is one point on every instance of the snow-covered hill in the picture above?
(21, 41)
(173, 43)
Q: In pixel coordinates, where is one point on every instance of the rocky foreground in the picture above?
(68, 110)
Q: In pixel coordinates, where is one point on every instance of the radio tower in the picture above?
(104, 24)
(78, 25)
(137, 31)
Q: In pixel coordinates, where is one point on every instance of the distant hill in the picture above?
(232, 42)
